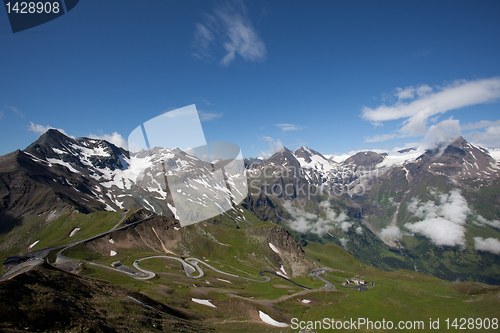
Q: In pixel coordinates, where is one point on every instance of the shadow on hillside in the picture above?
(8, 222)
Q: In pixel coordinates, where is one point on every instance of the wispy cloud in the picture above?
(409, 92)
(203, 40)
(40, 129)
(482, 222)
(391, 232)
(275, 146)
(208, 116)
(488, 138)
(114, 138)
(438, 135)
(289, 127)
(301, 143)
(16, 111)
(343, 243)
(228, 28)
(417, 105)
(442, 134)
(480, 124)
(206, 101)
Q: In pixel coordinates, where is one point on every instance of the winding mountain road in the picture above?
(61, 258)
(316, 273)
(190, 265)
(37, 257)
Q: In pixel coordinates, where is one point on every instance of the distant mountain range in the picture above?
(438, 208)
(436, 211)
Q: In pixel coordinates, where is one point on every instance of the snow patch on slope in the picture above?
(74, 232)
(268, 320)
(31, 246)
(273, 248)
(203, 302)
(66, 164)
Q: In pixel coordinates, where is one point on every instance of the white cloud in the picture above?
(489, 138)
(482, 222)
(345, 226)
(40, 129)
(359, 230)
(406, 93)
(423, 90)
(438, 135)
(343, 242)
(114, 138)
(230, 28)
(442, 134)
(304, 222)
(440, 231)
(275, 146)
(430, 102)
(443, 219)
(392, 232)
(480, 124)
(489, 244)
(289, 127)
(208, 116)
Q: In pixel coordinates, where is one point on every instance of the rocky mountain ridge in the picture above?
(319, 200)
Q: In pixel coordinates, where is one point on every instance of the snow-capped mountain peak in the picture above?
(311, 159)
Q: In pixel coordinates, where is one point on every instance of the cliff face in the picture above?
(280, 237)
(160, 234)
(283, 250)
(265, 207)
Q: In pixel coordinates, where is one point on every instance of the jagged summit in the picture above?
(95, 174)
(460, 158)
(57, 175)
(281, 156)
(307, 154)
(80, 153)
(367, 159)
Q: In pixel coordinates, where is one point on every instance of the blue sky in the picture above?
(336, 76)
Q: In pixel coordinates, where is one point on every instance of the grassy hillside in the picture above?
(56, 232)
(399, 295)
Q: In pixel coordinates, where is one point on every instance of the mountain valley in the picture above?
(422, 225)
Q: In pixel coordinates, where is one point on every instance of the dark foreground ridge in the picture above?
(48, 299)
